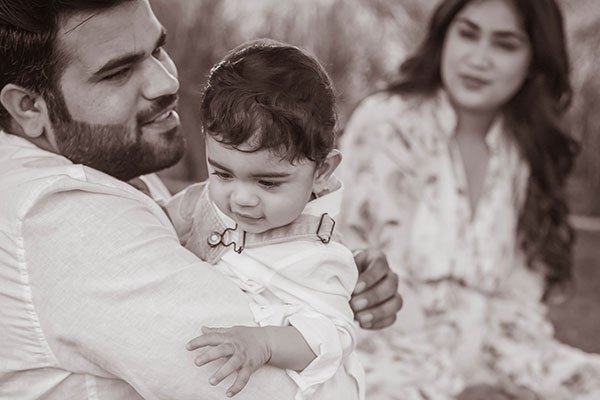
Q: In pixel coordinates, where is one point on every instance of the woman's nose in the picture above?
(480, 56)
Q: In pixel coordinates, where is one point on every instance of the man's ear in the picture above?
(325, 169)
(27, 109)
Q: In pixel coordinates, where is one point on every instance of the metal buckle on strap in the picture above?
(215, 239)
(325, 236)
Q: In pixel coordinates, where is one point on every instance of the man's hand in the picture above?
(375, 300)
(245, 347)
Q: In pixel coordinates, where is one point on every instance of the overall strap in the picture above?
(211, 238)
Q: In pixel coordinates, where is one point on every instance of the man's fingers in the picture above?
(243, 376)
(380, 315)
(233, 364)
(373, 266)
(214, 353)
(384, 323)
(378, 293)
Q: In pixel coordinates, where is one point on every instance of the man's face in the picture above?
(119, 88)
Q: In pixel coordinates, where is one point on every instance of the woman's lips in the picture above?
(473, 82)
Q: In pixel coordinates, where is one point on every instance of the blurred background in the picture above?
(361, 43)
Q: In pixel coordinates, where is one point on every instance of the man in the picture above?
(97, 296)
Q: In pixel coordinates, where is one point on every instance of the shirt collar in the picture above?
(328, 201)
(14, 140)
(227, 221)
(19, 144)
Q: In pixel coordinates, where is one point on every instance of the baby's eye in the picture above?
(269, 184)
(222, 175)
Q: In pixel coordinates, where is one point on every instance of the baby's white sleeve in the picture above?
(316, 290)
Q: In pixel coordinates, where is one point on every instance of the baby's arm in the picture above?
(309, 344)
(248, 348)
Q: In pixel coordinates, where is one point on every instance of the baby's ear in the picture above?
(325, 169)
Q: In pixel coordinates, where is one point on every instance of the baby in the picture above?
(266, 219)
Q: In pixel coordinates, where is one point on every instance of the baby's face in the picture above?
(258, 190)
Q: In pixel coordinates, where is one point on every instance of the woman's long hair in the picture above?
(533, 117)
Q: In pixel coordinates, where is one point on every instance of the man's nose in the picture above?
(244, 196)
(161, 79)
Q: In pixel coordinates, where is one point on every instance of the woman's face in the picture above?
(486, 56)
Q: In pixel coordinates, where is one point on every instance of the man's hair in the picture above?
(271, 96)
(29, 55)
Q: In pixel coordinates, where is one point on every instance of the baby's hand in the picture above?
(246, 348)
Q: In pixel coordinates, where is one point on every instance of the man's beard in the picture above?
(116, 150)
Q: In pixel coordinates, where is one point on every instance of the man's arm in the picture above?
(117, 296)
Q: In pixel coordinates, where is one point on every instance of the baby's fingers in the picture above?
(243, 376)
(207, 329)
(233, 364)
(208, 339)
(214, 353)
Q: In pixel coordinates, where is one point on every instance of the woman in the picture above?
(459, 170)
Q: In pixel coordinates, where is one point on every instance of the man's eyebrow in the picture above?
(130, 58)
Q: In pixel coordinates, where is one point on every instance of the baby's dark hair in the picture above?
(271, 96)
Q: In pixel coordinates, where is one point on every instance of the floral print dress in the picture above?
(472, 309)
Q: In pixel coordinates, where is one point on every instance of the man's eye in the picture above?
(221, 175)
(122, 73)
(269, 184)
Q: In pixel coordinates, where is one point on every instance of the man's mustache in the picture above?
(159, 106)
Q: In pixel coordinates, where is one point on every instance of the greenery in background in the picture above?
(360, 43)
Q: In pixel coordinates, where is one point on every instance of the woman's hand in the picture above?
(375, 300)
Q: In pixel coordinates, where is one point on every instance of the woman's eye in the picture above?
(508, 46)
(467, 34)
